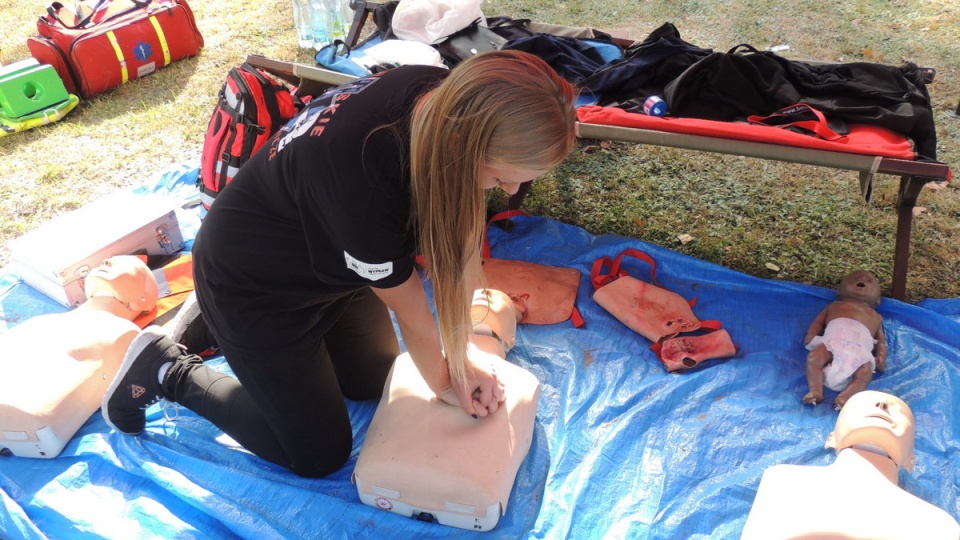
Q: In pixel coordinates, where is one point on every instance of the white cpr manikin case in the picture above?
(55, 257)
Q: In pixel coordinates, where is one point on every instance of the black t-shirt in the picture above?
(321, 210)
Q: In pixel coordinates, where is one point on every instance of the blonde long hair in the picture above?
(506, 108)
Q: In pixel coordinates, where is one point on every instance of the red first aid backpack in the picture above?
(251, 108)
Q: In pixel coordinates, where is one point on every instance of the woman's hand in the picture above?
(482, 393)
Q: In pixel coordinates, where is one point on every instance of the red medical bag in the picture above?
(117, 41)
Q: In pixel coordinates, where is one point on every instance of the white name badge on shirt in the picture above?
(373, 272)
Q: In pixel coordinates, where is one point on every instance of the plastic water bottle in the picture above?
(338, 24)
(347, 13)
(320, 13)
(303, 19)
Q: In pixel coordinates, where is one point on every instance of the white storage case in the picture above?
(55, 257)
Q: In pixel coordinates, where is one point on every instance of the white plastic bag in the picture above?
(430, 21)
(400, 52)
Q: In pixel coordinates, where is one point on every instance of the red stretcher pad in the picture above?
(862, 139)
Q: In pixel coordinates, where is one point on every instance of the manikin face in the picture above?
(860, 285)
(878, 421)
(506, 177)
(498, 311)
(126, 278)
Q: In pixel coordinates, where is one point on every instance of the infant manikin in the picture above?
(55, 368)
(852, 345)
(858, 495)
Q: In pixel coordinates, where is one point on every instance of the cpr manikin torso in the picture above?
(422, 456)
(55, 368)
(857, 496)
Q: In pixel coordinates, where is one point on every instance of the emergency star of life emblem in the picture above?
(142, 51)
(137, 390)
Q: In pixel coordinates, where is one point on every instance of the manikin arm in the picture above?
(817, 326)
(880, 350)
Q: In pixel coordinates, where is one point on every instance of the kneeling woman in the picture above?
(300, 257)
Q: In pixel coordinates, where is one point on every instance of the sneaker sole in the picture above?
(139, 343)
(188, 312)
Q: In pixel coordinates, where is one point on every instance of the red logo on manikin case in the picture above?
(137, 391)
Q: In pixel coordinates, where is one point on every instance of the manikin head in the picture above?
(496, 310)
(126, 278)
(860, 285)
(877, 422)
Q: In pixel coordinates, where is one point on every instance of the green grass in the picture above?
(746, 214)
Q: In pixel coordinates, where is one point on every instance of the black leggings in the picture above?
(287, 405)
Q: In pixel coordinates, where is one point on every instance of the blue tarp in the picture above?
(622, 449)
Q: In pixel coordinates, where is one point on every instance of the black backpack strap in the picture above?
(383, 19)
(267, 84)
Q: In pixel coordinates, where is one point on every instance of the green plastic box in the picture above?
(28, 86)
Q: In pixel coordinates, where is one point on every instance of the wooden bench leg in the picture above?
(910, 188)
(361, 9)
(516, 200)
(513, 203)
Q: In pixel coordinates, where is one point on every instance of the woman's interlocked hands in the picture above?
(482, 392)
